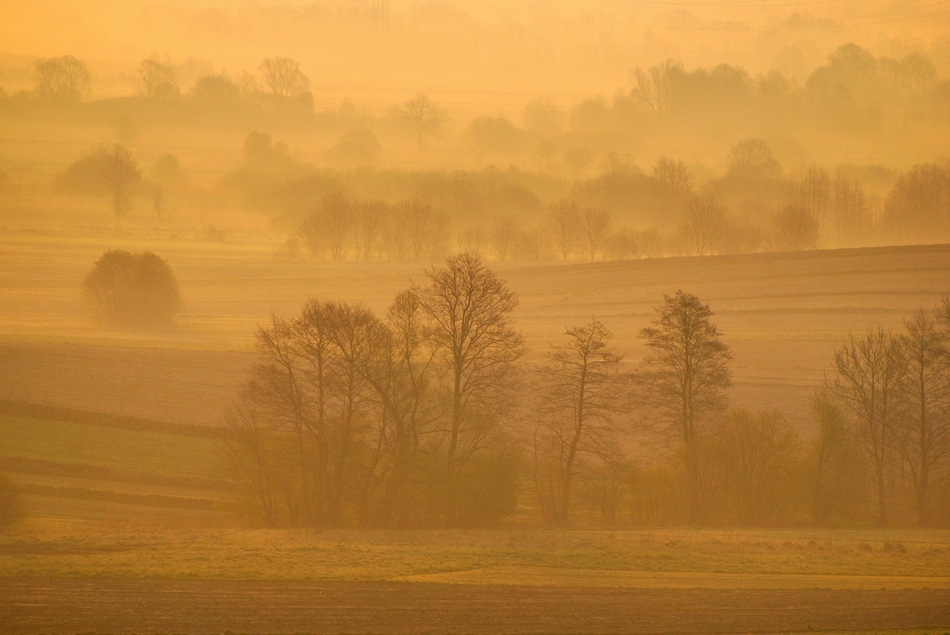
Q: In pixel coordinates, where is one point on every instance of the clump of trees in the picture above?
(352, 418)
(344, 227)
(422, 117)
(891, 390)
(63, 79)
(109, 171)
(427, 415)
(131, 290)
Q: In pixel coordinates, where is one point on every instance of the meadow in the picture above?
(122, 519)
(783, 314)
(494, 581)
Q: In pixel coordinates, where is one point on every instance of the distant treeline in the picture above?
(853, 92)
(623, 213)
(753, 208)
(430, 416)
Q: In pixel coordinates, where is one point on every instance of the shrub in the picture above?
(126, 289)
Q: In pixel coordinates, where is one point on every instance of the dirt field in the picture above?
(67, 605)
(74, 577)
(782, 314)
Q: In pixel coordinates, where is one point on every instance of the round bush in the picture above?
(126, 289)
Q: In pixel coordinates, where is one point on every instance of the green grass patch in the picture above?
(139, 451)
(675, 558)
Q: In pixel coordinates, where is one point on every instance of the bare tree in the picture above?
(280, 373)
(868, 374)
(595, 224)
(423, 229)
(502, 236)
(811, 191)
(624, 244)
(672, 176)
(684, 378)
(795, 228)
(329, 227)
(287, 84)
(752, 159)
(837, 470)
(401, 374)
(580, 393)
(158, 80)
(704, 223)
(471, 240)
(757, 455)
(63, 79)
(924, 433)
(424, 117)
(852, 219)
(566, 226)
(656, 88)
(371, 217)
(469, 308)
(248, 456)
(122, 174)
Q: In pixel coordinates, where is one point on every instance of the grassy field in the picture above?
(80, 477)
(782, 314)
(895, 559)
(149, 452)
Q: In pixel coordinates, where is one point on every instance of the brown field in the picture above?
(73, 605)
(129, 528)
(500, 581)
(783, 314)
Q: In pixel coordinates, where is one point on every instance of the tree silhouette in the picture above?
(469, 309)
(580, 393)
(126, 289)
(62, 79)
(287, 84)
(424, 117)
(868, 374)
(122, 174)
(158, 80)
(684, 378)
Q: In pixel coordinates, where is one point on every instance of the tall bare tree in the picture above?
(795, 228)
(502, 236)
(424, 117)
(924, 433)
(596, 227)
(469, 309)
(811, 190)
(566, 226)
(581, 391)
(285, 81)
(369, 223)
(757, 455)
(63, 79)
(868, 375)
(122, 174)
(423, 230)
(158, 80)
(656, 87)
(837, 466)
(849, 203)
(401, 372)
(673, 176)
(684, 378)
(704, 224)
